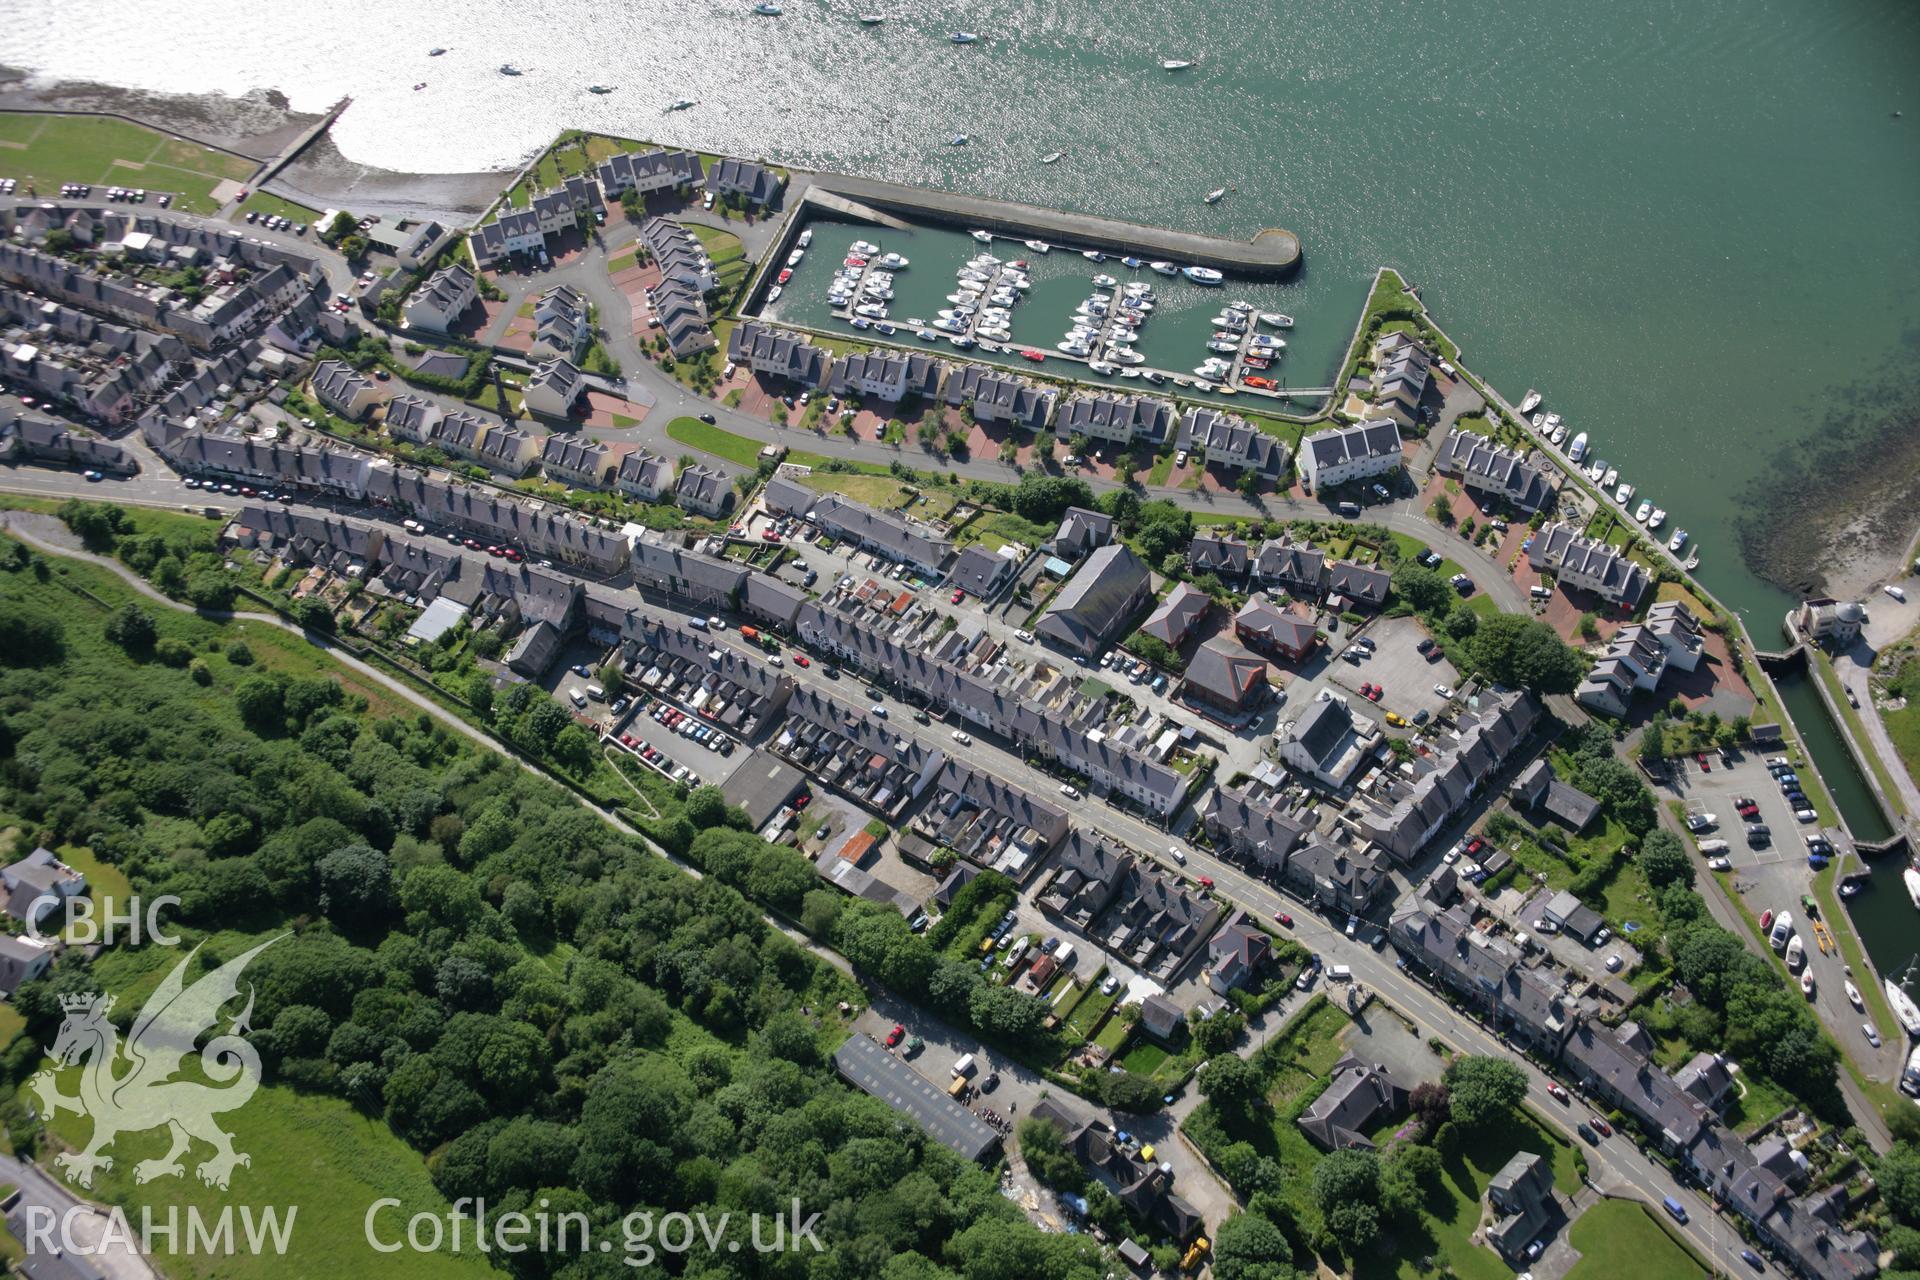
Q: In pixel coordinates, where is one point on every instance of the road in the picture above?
(117, 1259)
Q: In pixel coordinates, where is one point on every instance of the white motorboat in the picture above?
(681, 104)
(872, 19)
(957, 140)
(1279, 320)
(1578, 448)
(1903, 1007)
(950, 324)
(961, 341)
(1911, 878)
(962, 37)
(1175, 64)
(1598, 469)
(1678, 540)
(1266, 342)
(1131, 371)
(1052, 157)
(1164, 268)
(1093, 255)
(1853, 994)
(1537, 421)
(805, 238)
(926, 335)
(767, 9)
(1645, 509)
(1796, 952)
(773, 294)
(1102, 367)
(1212, 369)
(1658, 518)
(872, 310)
(592, 88)
(1203, 275)
(1104, 281)
(1559, 434)
(861, 322)
(793, 259)
(1073, 348)
(1039, 246)
(1216, 344)
(863, 248)
(984, 237)
(1611, 478)
(1215, 196)
(1125, 355)
(1624, 494)
(1530, 401)
(998, 333)
(435, 52)
(508, 69)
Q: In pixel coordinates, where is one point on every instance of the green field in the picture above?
(268, 206)
(47, 150)
(715, 440)
(1622, 1237)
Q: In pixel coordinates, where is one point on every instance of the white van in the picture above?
(965, 1067)
(1711, 847)
(595, 692)
(578, 698)
(1339, 973)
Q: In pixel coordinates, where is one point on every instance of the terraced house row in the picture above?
(1679, 1112)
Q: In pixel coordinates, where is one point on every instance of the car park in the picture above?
(1719, 863)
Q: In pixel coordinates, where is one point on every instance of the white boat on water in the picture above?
(1104, 281)
(1221, 345)
(1164, 268)
(1645, 510)
(1559, 434)
(767, 9)
(984, 237)
(1678, 540)
(1102, 367)
(1093, 255)
(1039, 246)
(962, 37)
(1658, 518)
(1175, 64)
(1530, 401)
(1276, 319)
(1215, 196)
(805, 238)
(1853, 994)
(892, 262)
(1911, 878)
(1125, 355)
(1624, 494)
(793, 259)
(773, 294)
(681, 104)
(1578, 448)
(1598, 469)
(872, 19)
(1903, 1007)
(1052, 157)
(1611, 478)
(1203, 275)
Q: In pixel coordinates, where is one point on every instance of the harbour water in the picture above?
(1174, 337)
(1690, 225)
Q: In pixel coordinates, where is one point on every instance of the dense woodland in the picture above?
(541, 1007)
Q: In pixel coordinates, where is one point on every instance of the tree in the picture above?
(1346, 1186)
(261, 703)
(1421, 587)
(1483, 1090)
(1249, 1247)
(1898, 1173)
(1462, 621)
(1523, 651)
(28, 636)
(132, 628)
(1663, 860)
(1044, 1148)
(356, 884)
(1431, 1104)
(1232, 1082)
(1653, 740)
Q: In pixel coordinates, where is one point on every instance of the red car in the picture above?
(1601, 1127)
(494, 552)
(958, 596)
(802, 660)
(769, 535)
(1283, 918)
(1366, 688)
(896, 1035)
(1375, 692)
(1700, 758)
(1559, 1094)
(471, 545)
(1206, 882)
(803, 802)
(1476, 844)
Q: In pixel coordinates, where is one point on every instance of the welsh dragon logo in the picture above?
(132, 1087)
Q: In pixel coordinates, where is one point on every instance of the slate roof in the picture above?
(1361, 442)
(1185, 605)
(1108, 586)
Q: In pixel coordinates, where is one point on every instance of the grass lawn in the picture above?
(48, 150)
(268, 206)
(1144, 1058)
(715, 440)
(1114, 1034)
(1092, 1007)
(1622, 1237)
(312, 1152)
(1162, 468)
(11, 1024)
(106, 885)
(1011, 528)
(621, 261)
(881, 492)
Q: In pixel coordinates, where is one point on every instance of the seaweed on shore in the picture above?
(1844, 497)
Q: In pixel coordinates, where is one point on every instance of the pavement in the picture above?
(117, 1259)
